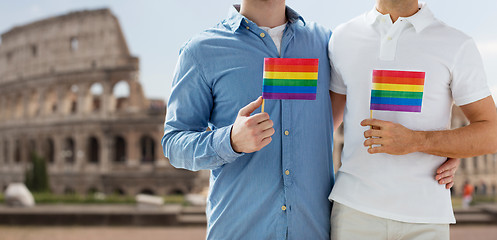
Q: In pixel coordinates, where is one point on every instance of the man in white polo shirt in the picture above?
(387, 191)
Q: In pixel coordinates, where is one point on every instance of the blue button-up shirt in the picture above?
(281, 191)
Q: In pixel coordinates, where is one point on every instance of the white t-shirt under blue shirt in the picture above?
(276, 35)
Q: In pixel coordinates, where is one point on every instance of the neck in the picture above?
(264, 13)
(397, 8)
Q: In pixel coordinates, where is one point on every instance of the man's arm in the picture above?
(185, 141)
(338, 106)
(445, 173)
(477, 138)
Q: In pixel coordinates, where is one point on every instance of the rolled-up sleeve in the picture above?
(185, 142)
(469, 82)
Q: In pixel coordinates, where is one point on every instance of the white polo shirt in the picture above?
(401, 188)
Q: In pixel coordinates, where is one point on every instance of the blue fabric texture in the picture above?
(219, 72)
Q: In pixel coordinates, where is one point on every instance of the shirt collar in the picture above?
(373, 16)
(422, 19)
(235, 19)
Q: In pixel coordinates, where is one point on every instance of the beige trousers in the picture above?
(350, 224)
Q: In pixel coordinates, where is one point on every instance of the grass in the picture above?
(175, 199)
(485, 199)
(49, 198)
(457, 201)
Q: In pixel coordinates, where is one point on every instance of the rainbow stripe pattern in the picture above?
(400, 91)
(290, 78)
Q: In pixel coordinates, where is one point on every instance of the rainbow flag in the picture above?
(397, 91)
(290, 78)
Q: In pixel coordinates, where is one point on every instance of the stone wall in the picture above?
(58, 98)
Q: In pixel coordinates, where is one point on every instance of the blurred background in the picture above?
(83, 94)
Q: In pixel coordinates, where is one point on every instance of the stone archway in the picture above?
(119, 149)
(147, 191)
(119, 191)
(17, 152)
(96, 97)
(69, 153)
(49, 151)
(50, 102)
(176, 191)
(18, 107)
(6, 155)
(121, 93)
(93, 150)
(31, 148)
(92, 190)
(3, 107)
(147, 149)
(72, 99)
(34, 103)
(69, 190)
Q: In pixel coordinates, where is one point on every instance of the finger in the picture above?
(372, 133)
(250, 108)
(265, 142)
(446, 180)
(446, 173)
(265, 125)
(374, 150)
(373, 141)
(451, 163)
(449, 186)
(373, 122)
(257, 118)
(267, 133)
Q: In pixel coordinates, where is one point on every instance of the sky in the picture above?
(156, 29)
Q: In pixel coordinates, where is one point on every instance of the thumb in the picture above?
(247, 110)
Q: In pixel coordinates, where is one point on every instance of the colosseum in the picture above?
(59, 97)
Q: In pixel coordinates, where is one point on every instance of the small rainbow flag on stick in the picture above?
(400, 91)
(290, 78)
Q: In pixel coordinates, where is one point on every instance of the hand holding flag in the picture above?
(398, 91)
(391, 138)
(251, 133)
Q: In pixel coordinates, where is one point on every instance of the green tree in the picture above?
(36, 175)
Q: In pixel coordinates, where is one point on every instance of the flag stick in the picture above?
(262, 107)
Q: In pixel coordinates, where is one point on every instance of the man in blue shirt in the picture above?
(271, 172)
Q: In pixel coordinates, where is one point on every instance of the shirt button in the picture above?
(283, 208)
(287, 133)
(248, 28)
(389, 38)
(287, 172)
(262, 35)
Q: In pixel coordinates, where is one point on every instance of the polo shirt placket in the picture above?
(390, 34)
